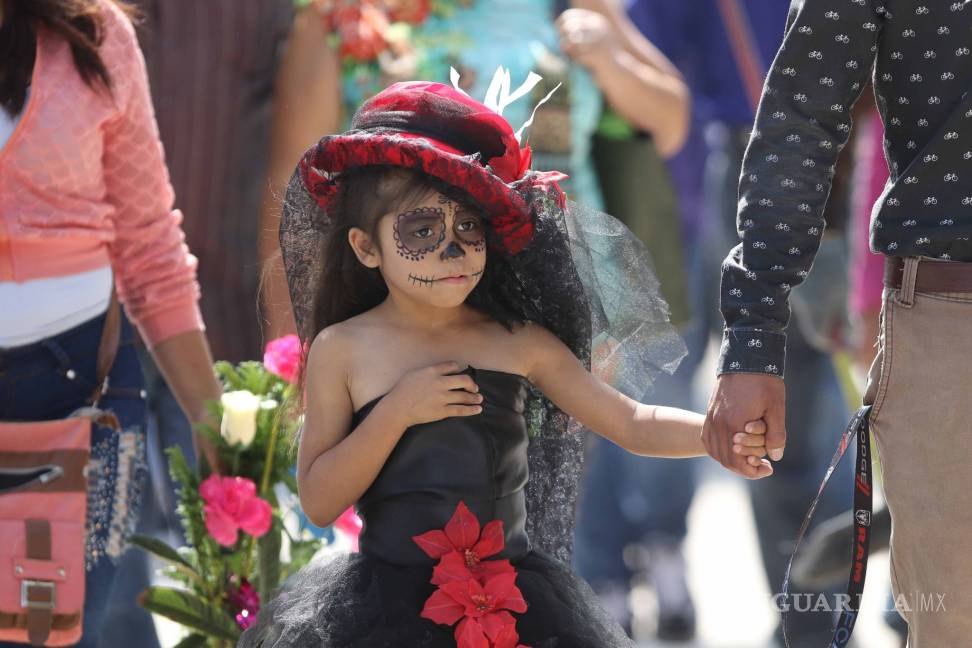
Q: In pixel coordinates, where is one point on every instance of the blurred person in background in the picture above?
(240, 90)
(394, 40)
(623, 526)
(86, 209)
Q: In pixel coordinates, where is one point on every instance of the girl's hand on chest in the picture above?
(434, 393)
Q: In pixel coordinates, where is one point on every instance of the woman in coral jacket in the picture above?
(86, 211)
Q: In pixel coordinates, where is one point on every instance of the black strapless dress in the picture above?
(373, 599)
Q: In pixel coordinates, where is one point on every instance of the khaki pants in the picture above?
(920, 386)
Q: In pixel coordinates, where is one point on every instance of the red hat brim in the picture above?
(440, 131)
(507, 207)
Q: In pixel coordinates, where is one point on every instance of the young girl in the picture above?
(86, 208)
(443, 283)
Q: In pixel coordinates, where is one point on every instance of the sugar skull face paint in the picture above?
(439, 250)
(419, 232)
(422, 230)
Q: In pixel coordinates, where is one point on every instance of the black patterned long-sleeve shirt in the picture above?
(921, 55)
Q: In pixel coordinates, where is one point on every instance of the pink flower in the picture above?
(350, 524)
(232, 504)
(244, 602)
(282, 357)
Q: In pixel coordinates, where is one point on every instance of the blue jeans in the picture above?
(126, 622)
(34, 386)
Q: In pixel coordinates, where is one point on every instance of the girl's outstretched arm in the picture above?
(334, 466)
(650, 430)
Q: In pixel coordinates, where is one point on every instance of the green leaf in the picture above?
(158, 548)
(191, 611)
(194, 640)
(179, 468)
(191, 512)
(228, 375)
(268, 560)
(301, 553)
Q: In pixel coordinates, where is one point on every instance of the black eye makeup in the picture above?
(469, 230)
(419, 231)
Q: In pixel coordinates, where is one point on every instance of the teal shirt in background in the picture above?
(519, 35)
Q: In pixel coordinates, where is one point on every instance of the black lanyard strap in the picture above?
(863, 509)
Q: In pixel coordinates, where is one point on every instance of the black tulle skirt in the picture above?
(357, 601)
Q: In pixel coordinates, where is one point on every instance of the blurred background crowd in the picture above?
(651, 122)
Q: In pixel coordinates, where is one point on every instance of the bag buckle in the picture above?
(27, 587)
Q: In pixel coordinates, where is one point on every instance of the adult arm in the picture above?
(639, 82)
(802, 123)
(154, 273)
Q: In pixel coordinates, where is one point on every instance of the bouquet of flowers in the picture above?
(233, 521)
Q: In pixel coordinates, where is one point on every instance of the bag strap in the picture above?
(739, 29)
(107, 347)
(38, 596)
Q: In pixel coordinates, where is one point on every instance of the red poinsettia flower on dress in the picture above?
(462, 550)
(483, 611)
(473, 591)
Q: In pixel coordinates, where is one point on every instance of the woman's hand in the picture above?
(588, 38)
(433, 393)
(637, 80)
(187, 365)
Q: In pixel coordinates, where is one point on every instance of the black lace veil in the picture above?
(586, 279)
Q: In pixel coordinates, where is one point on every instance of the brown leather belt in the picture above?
(933, 276)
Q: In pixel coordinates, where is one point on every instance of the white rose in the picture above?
(239, 416)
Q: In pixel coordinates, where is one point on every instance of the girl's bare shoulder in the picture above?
(345, 338)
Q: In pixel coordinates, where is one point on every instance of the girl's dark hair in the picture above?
(76, 21)
(343, 287)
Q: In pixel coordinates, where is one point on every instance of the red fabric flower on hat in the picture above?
(474, 592)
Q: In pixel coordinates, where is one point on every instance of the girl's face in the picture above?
(433, 251)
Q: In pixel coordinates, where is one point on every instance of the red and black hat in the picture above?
(440, 131)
